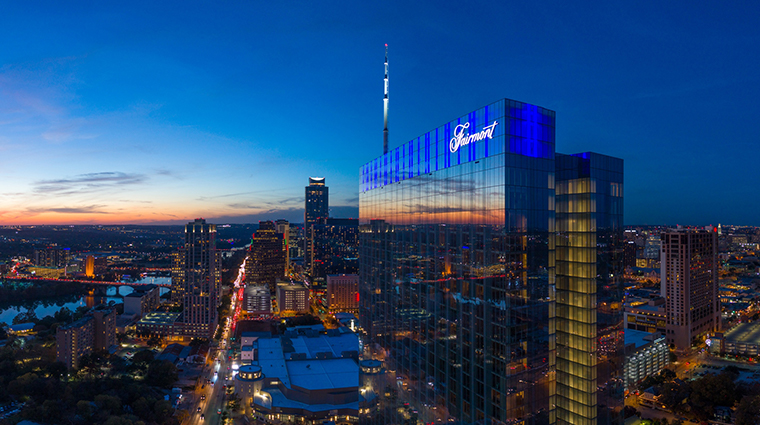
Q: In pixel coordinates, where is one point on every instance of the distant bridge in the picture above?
(87, 282)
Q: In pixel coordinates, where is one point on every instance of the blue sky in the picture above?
(146, 112)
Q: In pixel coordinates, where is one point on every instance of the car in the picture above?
(218, 411)
(203, 397)
(199, 409)
(203, 416)
(203, 386)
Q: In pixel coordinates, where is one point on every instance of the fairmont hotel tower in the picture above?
(489, 272)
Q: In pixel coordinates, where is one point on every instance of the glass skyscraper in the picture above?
(316, 206)
(459, 287)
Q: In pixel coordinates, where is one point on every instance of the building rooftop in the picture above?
(744, 332)
(76, 324)
(639, 338)
(21, 327)
(311, 362)
(314, 374)
(159, 318)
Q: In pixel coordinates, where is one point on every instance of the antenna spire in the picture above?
(385, 105)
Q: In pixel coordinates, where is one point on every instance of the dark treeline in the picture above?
(23, 293)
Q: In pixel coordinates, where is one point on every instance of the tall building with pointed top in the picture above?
(316, 207)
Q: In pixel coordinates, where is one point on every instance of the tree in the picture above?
(197, 342)
(56, 370)
(710, 391)
(111, 404)
(162, 410)
(668, 374)
(233, 402)
(63, 315)
(154, 340)
(142, 408)
(162, 374)
(27, 317)
(52, 410)
(85, 409)
(182, 415)
(143, 357)
(748, 411)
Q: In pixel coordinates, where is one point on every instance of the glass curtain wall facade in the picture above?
(460, 230)
(457, 266)
(316, 206)
(589, 315)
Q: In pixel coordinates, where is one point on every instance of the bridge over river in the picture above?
(98, 285)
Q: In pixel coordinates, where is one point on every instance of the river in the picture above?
(50, 306)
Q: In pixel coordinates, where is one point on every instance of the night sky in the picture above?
(143, 113)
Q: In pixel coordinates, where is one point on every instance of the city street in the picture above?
(212, 382)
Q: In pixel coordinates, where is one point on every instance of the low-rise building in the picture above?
(646, 354)
(743, 339)
(257, 300)
(292, 298)
(157, 323)
(304, 376)
(20, 328)
(646, 314)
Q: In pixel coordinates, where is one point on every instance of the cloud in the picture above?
(89, 209)
(85, 183)
(241, 206)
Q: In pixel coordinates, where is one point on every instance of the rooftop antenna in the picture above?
(385, 105)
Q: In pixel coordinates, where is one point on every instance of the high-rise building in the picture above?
(335, 247)
(343, 293)
(95, 331)
(590, 338)
(266, 257)
(74, 341)
(89, 266)
(104, 328)
(629, 254)
(316, 207)
(479, 251)
(283, 228)
(652, 247)
(198, 272)
(689, 274)
(52, 256)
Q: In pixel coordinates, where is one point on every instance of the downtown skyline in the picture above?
(163, 113)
